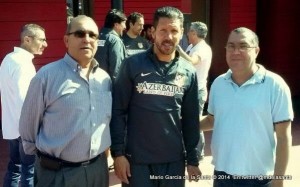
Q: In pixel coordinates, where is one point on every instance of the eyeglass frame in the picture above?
(241, 48)
(83, 33)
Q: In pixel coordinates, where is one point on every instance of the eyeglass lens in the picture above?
(82, 34)
(242, 48)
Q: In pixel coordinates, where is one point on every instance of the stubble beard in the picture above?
(160, 48)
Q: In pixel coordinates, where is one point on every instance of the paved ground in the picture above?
(206, 167)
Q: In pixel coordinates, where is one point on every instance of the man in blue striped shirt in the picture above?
(66, 113)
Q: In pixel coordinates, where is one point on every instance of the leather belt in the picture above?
(53, 163)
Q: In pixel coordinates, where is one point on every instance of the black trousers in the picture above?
(157, 175)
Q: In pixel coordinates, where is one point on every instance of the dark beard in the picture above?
(161, 50)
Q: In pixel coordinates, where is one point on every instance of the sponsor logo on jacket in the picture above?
(159, 89)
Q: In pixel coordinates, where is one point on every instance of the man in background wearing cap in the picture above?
(199, 53)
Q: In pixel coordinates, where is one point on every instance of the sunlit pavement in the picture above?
(207, 168)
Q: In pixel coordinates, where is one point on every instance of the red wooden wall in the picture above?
(50, 14)
(146, 7)
(275, 22)
(225, 16)
(101, 7)
(279, 39)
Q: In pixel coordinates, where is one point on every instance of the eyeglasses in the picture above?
(242, 48)
(82, 34)
(39, 39)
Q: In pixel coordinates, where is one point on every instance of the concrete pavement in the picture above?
(207, 168)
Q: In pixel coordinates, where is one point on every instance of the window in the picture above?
(79, 7)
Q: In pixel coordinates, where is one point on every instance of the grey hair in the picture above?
(30, 30)
(200, 28)
(241, 30)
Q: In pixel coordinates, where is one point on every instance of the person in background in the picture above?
(133, 42)
(147, 33)
(66, 114)
(199, 53)
(250, 113)
(16, 72)
(184, 43)
(156, 107)
(112, 51)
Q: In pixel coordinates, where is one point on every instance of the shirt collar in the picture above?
(75, 66)
(258, 77)
(202, 41)
(25, 52)
(94, 64)
(114, 32)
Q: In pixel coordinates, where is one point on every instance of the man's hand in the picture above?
(179, 49)
(193, 173)
(122, 168)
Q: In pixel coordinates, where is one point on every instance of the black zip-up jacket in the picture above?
(158, 109)
(111, 52)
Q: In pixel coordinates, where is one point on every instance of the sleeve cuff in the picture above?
(29, 147)
(115, 154)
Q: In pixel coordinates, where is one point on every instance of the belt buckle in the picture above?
(85, 163)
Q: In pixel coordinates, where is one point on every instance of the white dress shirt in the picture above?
(203, 50)
(16, 72)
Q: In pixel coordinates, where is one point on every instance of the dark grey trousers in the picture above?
(157, 175)
(202, 94)
(92, 175)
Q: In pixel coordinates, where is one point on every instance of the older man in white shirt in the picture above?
(199, 53)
